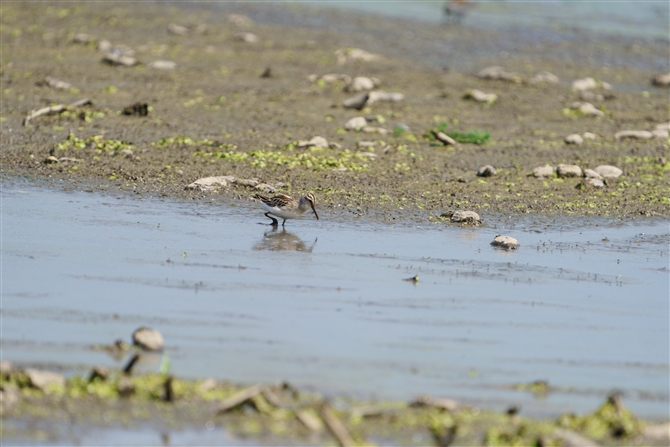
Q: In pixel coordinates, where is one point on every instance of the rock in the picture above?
(99, 372)
(208, 385)
(587, 108)
(104, 46)
(590, 173)
(119, 59)
(660, 133)
(50, 159)
(345, 55)
(661, 80)
(125, 386)
(379, 95)
(56, 83)
(366, 144)
(589, 136)
(479, 96)
(584, 84)
(148, 339)
(69, 160)
(246, 37)
(370, 155)
(250, 182)
(361, 83)
(607, 171)
(544, 76)
(638, 134)
(356, 123)
(126, 153)
(445, 139)
(379, 130)
(207, 184)
(177, 30)
(574, 139)
(357, 102)
(315, 141)
(486, 171)
(543, 171)
(663, 126)
(162, 65)
(588, 95)
(83, 38)
(40, 379)
(264, 187)
(240, 20)
(5, 367)
(463, 217)
(506, 242)
(330, 78)
(496, 72)
(566, 171)
(137, 109)
(660, 432)
(595, 182)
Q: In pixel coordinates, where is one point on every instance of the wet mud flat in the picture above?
(235, 105)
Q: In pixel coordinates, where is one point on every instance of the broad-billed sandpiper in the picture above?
(286, 207)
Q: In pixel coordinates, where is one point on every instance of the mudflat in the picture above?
(237, 102)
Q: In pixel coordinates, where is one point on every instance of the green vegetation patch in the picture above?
(96, 142)
(471, 136)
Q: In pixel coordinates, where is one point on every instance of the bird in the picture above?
(286, 207)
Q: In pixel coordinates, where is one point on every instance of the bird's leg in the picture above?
(282, 224)
(275, 222)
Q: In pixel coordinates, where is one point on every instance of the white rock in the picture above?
(126, 153)
(544, 76)
(587, 108)
(177, 30)
(590, 173)
(486, 171)
(357, 102)
(40, 379)
(148, 339)
(380, 95)
(360, 84)
(208, 385)
(356, 123)
(662, 80)
(543, 171)
(207, 184)
(104, 46)
(315, 141)
(574, 139)
(57, 83)
(246, 37)
(51, 159)
(584, 84)
(639, 134)
(5, 367)
(330, 78)
(345, 55)
(507, 242)
(565, 171)
(597, 182)
(445, 139)
(479, 96)
(366, 144)
(663, 126)
(660, 133)
(162, 65)
(588, 95)
(659, 432)
(463, 217)
(607, 171)
(379, 130)
(117, 59)
(589, 136)
(498, 73)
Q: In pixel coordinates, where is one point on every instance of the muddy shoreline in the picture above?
(216, 115)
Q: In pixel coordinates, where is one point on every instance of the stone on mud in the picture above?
(590, 173)
(486, 171)
(544, 76)
(661, 80)
(380, 95)
(246, 37)
(636, 134)
(574, 139)
(479, 96)
(148, 339)
(607, 171)
(587, 108)
(362, 83)
(315, 141)
(357, 102)
(462, 216)
(584, 84)
(566, 171)
(543, 171)
(356, 123)
(496, 72)
(208, 184)
(41, 379)
(506, 242)
(346, 55)
(162, 65)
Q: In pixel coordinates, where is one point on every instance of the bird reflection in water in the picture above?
(282, 240)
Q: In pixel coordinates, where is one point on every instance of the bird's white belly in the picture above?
(284, 214)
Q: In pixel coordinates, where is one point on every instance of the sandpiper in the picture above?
(286, 207)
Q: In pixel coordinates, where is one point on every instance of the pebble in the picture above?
(463, 217)
(334, 145)
(207, 184)
(565, 171)
(50, 159)
(366, 144)
(57, 83)
(177, 30)
(119, 59)
(264, 187)
(590, 173)
(362, 83)
(246, 37)
(587, 108)
(507, 242)
(162, 65)
(41, 379)
(588, 95)
(486, 171)
(496, 72)
(345, 55)
(584, 84)
(479, 96)
(330, 78)
(589, 136)
(596, 182)
(661, 80)
(544, 76)
(638, 134)
(125, 386)
(574, 139)
(315, 141)
(104, 46)
(660, 133)
(445, 139)
(148, 339)
(543, 171)
(607, 171)
(357, 102)
(380, 95)
(99, 372)
(379, 130)
(356, 123)
(126, 153)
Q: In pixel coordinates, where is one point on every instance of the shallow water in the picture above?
(323, 304)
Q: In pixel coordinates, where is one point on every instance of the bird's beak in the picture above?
(313, 209)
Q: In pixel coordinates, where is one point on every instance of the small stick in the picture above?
(169, 394)
(128, 370)
(310, 421)
(335, 426)
(240, 398)
(54, 109)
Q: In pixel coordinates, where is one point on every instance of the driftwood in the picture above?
(310, 421)
(240, 398)
(54, 109)
(335, 426)
(169, 393)
(128, 370)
